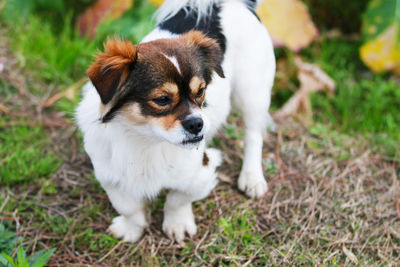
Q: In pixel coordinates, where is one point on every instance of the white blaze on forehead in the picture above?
(174, 61)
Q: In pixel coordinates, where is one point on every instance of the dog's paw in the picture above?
(125, 230)
(253, 184)
(176, 225)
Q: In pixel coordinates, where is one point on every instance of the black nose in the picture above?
(193, 125)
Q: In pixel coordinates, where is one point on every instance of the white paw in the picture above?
(253, 184)
(175, 225)
(122, 228)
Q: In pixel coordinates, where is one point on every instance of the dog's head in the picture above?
(158, 88)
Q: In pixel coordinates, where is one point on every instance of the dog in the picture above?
(149, 110)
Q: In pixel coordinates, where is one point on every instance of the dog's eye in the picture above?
(162, 101)
(200, 93)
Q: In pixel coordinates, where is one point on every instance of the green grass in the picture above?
(60, 59)
(53, 48)
(25, 154)
(364, 102)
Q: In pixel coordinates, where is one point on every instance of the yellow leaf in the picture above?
(156, 2)
(382, 53)
(288, 22)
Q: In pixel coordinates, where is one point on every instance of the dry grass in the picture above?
(319, 210)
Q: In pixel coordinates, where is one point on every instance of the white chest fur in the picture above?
(134, 163)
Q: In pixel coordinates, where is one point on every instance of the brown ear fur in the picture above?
(209, 48)
(111, 67)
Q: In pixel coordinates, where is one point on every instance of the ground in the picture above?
(326, 205)
(333, 196)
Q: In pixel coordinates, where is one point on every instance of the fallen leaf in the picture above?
(312, 79)
(325, 81)
(382, 54)
(381, 30)
(225, 178)
(288, 22)
(156, 2)
(69, 93)
(101, 10)
(4, 109)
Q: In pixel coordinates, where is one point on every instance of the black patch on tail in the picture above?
(186, 20)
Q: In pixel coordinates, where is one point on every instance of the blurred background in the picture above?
(338, 68)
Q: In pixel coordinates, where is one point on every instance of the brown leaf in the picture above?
(101, 10)
(4, 109)
(323, 79)
(288, 22)
(312, 79)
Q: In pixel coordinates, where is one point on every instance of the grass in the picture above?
(59, 58)
(23, 160)
(64, 57)
(318, 208)
(333, 197)
(364, 103)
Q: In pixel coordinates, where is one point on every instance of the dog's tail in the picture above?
(203, 7)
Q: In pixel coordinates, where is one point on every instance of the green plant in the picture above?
(53, 11)
(38, 259)
(9, 241)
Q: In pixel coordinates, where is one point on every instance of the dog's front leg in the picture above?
(131, 222)
(178, 214)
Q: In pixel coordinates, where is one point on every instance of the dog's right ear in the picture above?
(112, 67)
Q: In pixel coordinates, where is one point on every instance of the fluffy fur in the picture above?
(135, 155)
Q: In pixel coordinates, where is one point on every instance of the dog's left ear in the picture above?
(111, 68)
(209, 49)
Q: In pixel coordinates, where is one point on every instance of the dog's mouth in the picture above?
(193, 140)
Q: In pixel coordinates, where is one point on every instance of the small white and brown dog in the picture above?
(150, 109)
